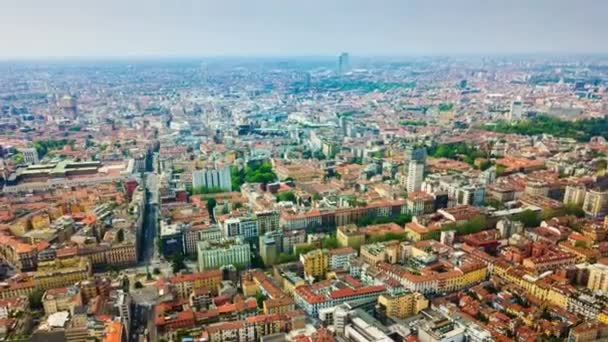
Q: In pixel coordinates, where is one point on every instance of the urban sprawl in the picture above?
(311, 199)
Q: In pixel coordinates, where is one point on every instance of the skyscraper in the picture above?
(343, 63)
(417, 154)
(516, 110)
(415, 175)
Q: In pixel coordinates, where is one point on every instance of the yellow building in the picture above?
(316, 263)
(61, 272)
(184, 284)
(250, 287)
(538, 288)
(20, 227)
(603, 316)
(350, 236)
(41, 221)
(417, 232)
(403, 305)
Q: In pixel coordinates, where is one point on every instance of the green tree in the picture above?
(330, 242)
(529, 218)
(35, 299)
(260, 298)
(120, 235)
(286, 196)
(571, 209)
(211, 203)
(177, 262)
(286, 258)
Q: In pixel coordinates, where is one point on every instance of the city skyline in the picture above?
(36, 29)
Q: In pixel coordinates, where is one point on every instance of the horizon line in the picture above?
(545, 54)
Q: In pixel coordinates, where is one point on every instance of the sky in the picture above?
(118, 28)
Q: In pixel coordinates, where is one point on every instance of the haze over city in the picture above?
(59, 28)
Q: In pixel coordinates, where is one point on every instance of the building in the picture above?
(339, 258)
(419, 203)
(417, 154)
(268, 221)
(598, 277)
(574, 195)
(20, 255)
(441, 330)
(171, 239)
(403, 305)
(61, 272)
(596, 203)
(375, 253)
(312, 298)
(588, 332)
(270, 248)
(185, 284)
(245, 226)
(415, 175)
(218, 178)
(231, 331)
(61, 299)
(516, 110)
(292, 238)
(212, 255)
(350, 236)
(343, 63)
(316, 263)
(30, 155)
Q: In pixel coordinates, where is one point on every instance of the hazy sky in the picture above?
(41, 28)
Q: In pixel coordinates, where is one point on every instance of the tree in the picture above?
(529, 218)
(35, 299)
(211, 203)
(177, 262)
(330, 242)
(572, 209)
(120, 235)
(260, 298)
(547, 214)
(500, 169)
(285, 258)
(286, 196)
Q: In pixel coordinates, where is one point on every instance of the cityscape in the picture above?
(343, 195)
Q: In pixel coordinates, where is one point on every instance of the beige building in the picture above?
(61, 272)
(403, 305)
(596, 203)
(574, 195)
(350, 236)
(598, 277)
(61, 299)
(381, 252)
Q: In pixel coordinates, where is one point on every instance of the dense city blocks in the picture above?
(411, 177)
